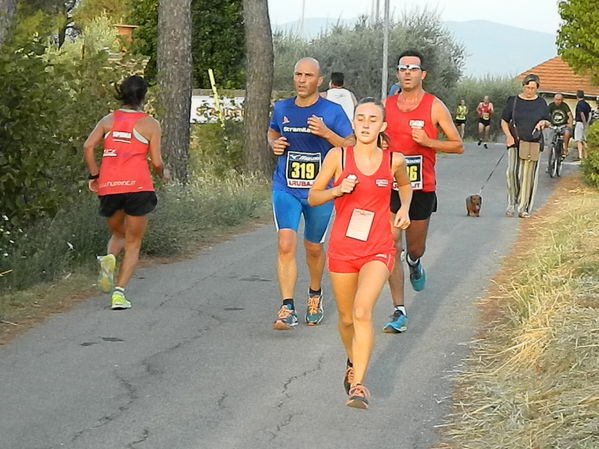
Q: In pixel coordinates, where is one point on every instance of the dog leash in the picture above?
(492, 171)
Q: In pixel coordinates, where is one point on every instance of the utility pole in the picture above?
(301, 27)
(385, 74)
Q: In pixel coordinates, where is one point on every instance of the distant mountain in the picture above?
(491, 48)
(498, 49)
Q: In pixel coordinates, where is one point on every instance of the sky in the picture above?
(538, 15)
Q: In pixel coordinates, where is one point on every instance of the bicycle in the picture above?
(555, 151)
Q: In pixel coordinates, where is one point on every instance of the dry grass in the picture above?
(532, 380)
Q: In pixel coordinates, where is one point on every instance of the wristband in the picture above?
(92, 177)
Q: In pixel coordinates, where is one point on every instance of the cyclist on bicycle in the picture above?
(561, 116)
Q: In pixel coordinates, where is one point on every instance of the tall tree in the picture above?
(578, 36)
(259, 79)
(7, 11)
(217, 40)
(174, 64)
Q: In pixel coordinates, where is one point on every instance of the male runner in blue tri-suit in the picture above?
(302, 131)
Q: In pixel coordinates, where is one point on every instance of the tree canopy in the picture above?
(578, 36)
(217, 36)
(357, 52)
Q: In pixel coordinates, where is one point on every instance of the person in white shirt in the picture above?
(340, 95)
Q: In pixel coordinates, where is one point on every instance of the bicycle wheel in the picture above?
(558, 164)
(552, 161)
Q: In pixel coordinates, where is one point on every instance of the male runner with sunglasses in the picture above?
(413, 120)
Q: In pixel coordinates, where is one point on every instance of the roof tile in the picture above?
(557, 76)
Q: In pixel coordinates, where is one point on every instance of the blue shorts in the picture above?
(287, 210)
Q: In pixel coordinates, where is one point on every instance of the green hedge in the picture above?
(473, 90)
(590, 165)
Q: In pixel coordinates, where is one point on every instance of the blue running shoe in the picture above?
(417, 276)
(314, 310)
(286, 319)
(398, 323)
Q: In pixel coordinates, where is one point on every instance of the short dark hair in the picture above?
(337, 79)
(531, 77)
(132, 91)
(580, 94)
(414, 53)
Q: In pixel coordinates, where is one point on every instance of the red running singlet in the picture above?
(485, 111)
(371, 194)
(124, 167)
(420, 160)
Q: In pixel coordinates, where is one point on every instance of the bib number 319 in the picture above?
(302, 169)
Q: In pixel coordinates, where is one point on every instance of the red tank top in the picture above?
(371, 194)
(124, 167)
(485, 111)
(420, 160)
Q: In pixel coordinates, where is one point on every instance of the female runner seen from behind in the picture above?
(361, 250)
(123, 182)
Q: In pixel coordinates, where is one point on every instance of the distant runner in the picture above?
(485, 112)
(340, 95)
(461, 114)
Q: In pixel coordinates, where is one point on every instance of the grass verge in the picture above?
(52, 265)
(532, 380)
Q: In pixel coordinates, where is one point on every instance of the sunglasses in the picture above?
(410, 67)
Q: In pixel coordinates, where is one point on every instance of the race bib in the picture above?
(302, 169)
(485, 116)
(360, 224)
(414, 166)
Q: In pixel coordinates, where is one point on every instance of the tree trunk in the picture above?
(174, 80)
(258, 91)
(7, 11)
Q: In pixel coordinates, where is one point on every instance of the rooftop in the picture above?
(557, 76)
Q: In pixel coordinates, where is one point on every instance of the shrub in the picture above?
(51, 101)
(186, 215)
(590, 165)
(216, 148)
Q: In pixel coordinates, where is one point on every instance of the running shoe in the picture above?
(398, 323)
(119, 301)
(417, 276)
(485, 145)
(106, 276)
(314, 310)
(286, 319)
(358, 397)
(479, 142)
(348, 378)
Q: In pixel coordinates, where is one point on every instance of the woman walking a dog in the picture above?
(522, 121)
(361, 249)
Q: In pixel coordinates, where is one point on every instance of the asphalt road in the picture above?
(196, 365)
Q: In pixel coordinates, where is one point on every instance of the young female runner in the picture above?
(361, 250)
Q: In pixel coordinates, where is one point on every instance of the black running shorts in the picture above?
(136, 204)
(484, 122)
(422, 207)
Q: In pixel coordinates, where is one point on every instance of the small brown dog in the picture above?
(473, 203)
